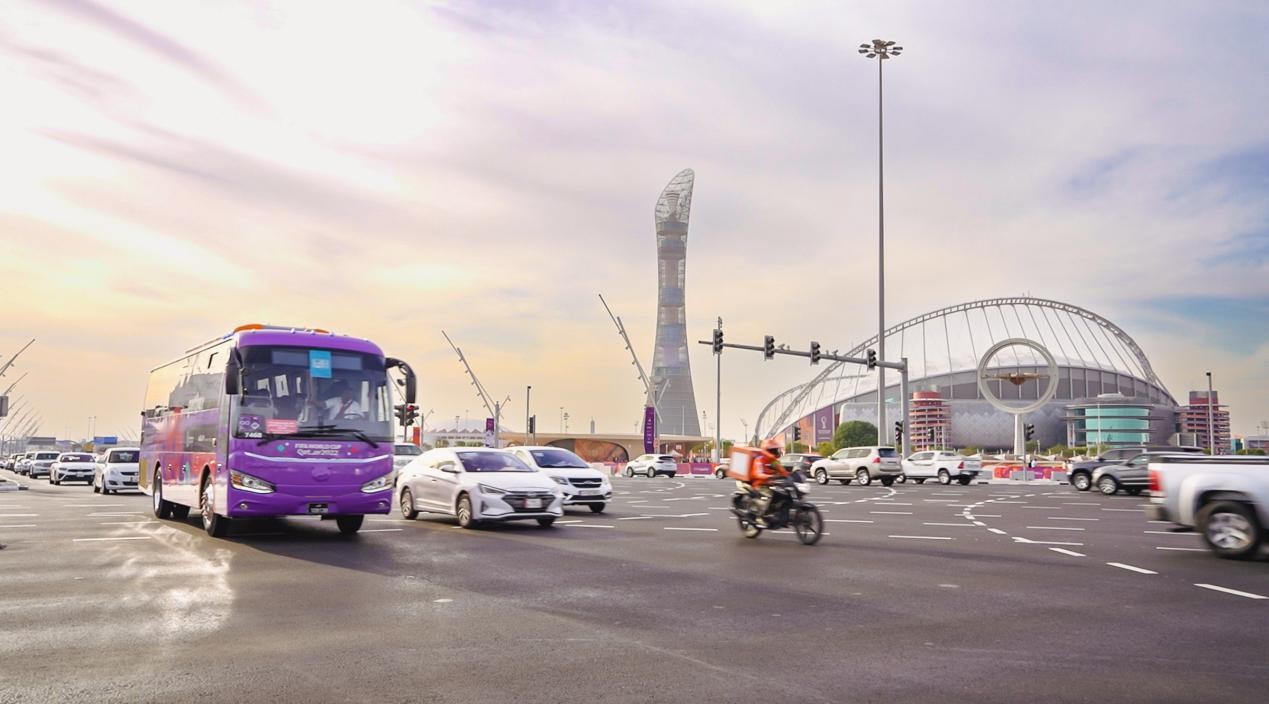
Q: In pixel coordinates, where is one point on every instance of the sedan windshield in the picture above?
(75, 458)
(125, 456)
(558, 459)
(407, 450)
(492, 462)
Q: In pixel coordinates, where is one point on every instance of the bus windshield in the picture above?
(289, 391)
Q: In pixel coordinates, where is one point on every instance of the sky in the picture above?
(394, 169)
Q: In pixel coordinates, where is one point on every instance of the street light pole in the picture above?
(527, 391)
(1211, 435)
(718, 403)
(881, 50)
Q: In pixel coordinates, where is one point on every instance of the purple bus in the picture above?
(271, 421)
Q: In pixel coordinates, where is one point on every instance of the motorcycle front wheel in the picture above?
(748, 528)
(808, 524)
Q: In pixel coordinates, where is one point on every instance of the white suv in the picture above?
(652, 465)
(860, 464)
(72, 466)
(581, 484)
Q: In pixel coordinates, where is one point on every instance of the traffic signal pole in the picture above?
(769, 351)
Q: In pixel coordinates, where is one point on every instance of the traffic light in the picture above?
(1028, 431)
(931, 433)
(718, 341)
(533, 425)
(872, 359)
(815, 352)
(768, 347)
(898, 431)
(797, 433)
(399, 411)
(411, 414)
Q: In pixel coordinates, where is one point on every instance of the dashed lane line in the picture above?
(121, 537)
(1053, 528)
(922, 537)
(381, 530)
(1227, 590)
(1028, 541)
(845, 520)
(1127, 510)
(997, 531)
(1169, 532)
(636, 518)
(893, 513)
(19, 525)
(1065, 518)
(127, 523)
(712, 530)
(1183, 549)
(19, 515)
(956, 525)
(587, 525)
(1079, 503)
(1131, 568)
(1064, 551)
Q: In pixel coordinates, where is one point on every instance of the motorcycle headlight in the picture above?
(492, 490)
(246, 482)
(380, 484)
(560, 480)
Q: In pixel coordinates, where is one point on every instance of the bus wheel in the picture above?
(216, 526)
(162, 509)
(349, 525)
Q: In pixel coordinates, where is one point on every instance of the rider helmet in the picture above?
(773, 447)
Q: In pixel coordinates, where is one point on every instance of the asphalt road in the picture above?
(998, 593)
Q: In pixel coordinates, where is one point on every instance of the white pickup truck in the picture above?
(1225, 498)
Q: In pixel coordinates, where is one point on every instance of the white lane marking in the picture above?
(114, 513)
(90, 505)
(588, 525)
(381, 530)
(980, 524)
(1129, 510)
(893, 513)
(714, 530)
(19, 515)
(1064, 551)
(1009, 502)
(997, 531)
(124, 537)
(32, 525)
(1052, 528)
(1079, 503)
(958, 525)
(126, 523)
(564, 523)
(720, 508)
(442, 601)
(987, 515)
(1227, 590)
(882, 502)
(1164, 522)
(1168, 532)
(947, 493)
(691, 515)
(648, 506)
(922, 537)
(1046, 508)
(1065, 518)
(845, 520)
(1130, 568)
(1145, 505)
(940, 501)
(635, 518)
(1028, 541)
(1184, 549)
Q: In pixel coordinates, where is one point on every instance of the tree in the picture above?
(970, 451)
(854, 433)
(825, 448)
(1056, 450)
(1250, 451)
(442, 443)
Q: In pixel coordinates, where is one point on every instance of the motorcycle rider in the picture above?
(765, 470)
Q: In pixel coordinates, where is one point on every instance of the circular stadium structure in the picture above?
(1107, 391)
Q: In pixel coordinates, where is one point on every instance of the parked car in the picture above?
(11, 461)
(23, 464)
(943, 465)
(1080, 474)
(1225, 498)
(582, 484)
(859, 464)
(402, 454)
(117, 469)
(72, 467)
(477, 484)
(652, 466)
(40, 463)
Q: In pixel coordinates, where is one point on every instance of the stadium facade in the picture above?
(1106, 389)
(671, 368)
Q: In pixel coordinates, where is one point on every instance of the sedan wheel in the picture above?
(408, 512)
(629, 472)
(464, 513)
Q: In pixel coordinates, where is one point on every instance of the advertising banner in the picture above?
(489, 432)
(649, 429)
(823, 419)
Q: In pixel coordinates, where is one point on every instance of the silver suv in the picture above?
(860, 464)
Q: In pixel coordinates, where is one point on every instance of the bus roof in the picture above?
(286, 337)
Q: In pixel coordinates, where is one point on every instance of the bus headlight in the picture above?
(246, 482)
(380, 484)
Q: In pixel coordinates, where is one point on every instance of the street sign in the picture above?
(106, 440)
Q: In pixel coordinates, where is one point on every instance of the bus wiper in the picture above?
(324, 430)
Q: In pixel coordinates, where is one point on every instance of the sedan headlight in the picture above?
(380, 484)
(246, 482)
(560, 480)
(486, 489)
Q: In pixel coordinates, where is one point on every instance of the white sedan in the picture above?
(117, 470)
(72, 467)
(478, 484)
(582, 484)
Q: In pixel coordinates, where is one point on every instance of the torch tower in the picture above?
(671, 370)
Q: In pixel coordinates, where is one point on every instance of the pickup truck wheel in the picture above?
(1108, 486)
(862, 476)
(963, 481)
(919, 481)
(821, 477)
(1230, 529)
(1082, 482)
(944, 477)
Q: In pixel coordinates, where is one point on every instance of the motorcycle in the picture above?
(788, 507)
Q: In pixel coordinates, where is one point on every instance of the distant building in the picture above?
(1192, 418)
(1117, 420)
(1256, 442)
(929, 416)
(466, 431)
(671, 370)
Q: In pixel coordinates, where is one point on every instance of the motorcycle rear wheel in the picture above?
(808, 524)
(748, 528)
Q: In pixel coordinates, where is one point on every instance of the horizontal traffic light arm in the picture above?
(801, 353)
